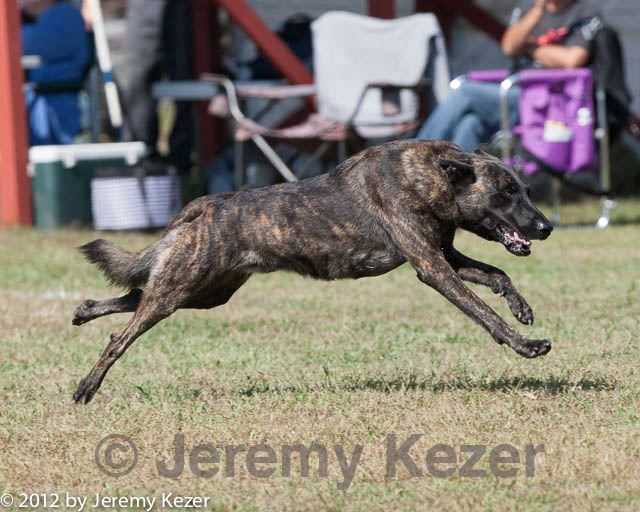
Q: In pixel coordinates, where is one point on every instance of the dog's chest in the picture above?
(331, 263)
(372, 262)
(352, 263)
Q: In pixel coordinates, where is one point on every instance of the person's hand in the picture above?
(87, 14)
(540, 7)
(540, 4)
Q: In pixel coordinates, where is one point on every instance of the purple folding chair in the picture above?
(558, 128)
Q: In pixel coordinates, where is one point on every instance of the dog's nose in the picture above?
(544, 229)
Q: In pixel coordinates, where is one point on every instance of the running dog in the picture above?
(398, 202)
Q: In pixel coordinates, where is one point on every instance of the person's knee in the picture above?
(470, 132)
(462, 95)
(471, 91)
(471, 122)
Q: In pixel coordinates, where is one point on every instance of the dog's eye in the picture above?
(500, 200)
(512, 189)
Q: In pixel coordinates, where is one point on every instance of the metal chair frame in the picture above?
(235, 110)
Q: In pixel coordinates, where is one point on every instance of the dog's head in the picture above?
(494, 203)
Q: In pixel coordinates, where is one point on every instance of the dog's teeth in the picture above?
(517, 238)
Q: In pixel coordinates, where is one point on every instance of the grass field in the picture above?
(290, 360)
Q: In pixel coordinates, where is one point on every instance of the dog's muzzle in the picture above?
(542, 230)
(513, 240)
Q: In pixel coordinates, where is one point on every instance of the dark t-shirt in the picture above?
(575, 16)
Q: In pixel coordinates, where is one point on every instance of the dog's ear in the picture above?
(460, 172)
(484, 150)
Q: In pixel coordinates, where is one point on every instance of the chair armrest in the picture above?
(527, 75)
(488, 75)
(550, 75)
(226, 102)
(234, 91)
(275, 92)
(205, 89)
(265, 91)
(230, 92)
(184, 90)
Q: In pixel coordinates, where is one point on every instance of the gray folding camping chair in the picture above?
(370, 76)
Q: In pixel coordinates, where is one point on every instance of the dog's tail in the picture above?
(122, 268)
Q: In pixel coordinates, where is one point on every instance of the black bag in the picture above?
(608, 68)
(296, 34)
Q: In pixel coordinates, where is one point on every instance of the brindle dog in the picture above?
(390, 204)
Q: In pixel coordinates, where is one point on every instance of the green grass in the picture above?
(290, 360)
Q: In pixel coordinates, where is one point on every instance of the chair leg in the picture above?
(273, 158)
(605, 157)
(238, 163)
(605, 182)
(605, 213)
(342, 151)
(556, 188)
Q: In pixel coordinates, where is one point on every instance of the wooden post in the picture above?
(385, 9)
(207, 58)
(15, 186)
(445, 16)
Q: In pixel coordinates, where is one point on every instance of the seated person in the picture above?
(54, 30)
(548, 33)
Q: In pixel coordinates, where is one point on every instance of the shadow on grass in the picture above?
(551, 385)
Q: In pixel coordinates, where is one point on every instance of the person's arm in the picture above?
(87, 14)
(60, 40)
(556, 56)
(52, 37)
(516, 40)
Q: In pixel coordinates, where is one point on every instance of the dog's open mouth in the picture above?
(514, 241)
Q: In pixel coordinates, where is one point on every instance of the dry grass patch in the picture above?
(291, 361)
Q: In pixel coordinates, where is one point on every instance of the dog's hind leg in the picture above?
(219, 295)
(92, 309)
(181, 277)
(151, 310)
(170, 284)
(492, 277)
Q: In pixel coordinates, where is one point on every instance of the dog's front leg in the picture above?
(477, 272)
(434, 270)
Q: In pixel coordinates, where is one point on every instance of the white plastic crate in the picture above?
(130, 202)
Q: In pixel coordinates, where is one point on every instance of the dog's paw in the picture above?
(86, 389)
(82, 313)
(532, 348)
(520, 308)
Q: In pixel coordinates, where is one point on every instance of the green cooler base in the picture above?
(61, 197)
(62, 175)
